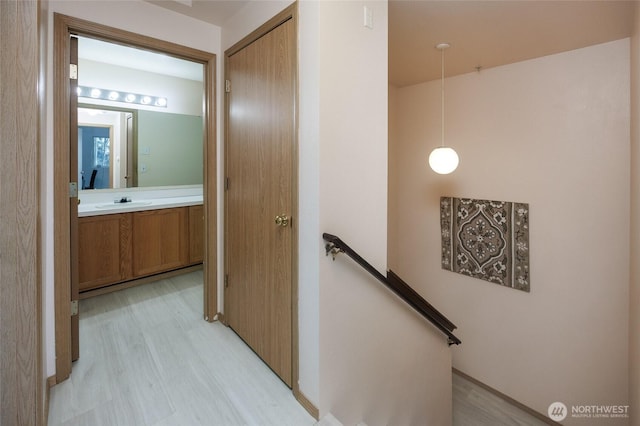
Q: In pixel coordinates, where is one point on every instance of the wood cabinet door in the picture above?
(160, 240)
(196, 234)
(104, 250)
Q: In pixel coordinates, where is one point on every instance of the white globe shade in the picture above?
(443, 160)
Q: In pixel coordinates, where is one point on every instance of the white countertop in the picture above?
(97, 209)
(97, 204)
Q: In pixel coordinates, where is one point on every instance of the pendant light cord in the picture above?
(442, 94)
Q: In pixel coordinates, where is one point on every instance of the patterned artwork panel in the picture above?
(486, 239)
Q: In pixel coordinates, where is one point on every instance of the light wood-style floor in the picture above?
(148, 358)
(475, 406)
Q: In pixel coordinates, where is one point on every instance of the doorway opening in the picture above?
(64, 28)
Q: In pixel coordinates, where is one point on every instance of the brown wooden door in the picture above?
(73, 201)
(259, 166)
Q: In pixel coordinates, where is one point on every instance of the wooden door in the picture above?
(260, 160)
(73, 200)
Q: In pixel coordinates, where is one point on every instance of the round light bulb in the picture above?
(443, 160)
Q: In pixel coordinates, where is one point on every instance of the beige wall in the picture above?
(174, 144)
(552, 132)
(634, 299)
(379, 361)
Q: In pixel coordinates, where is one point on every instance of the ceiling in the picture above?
(216, 12)
(490, 33)
(130, 57)
(482, 33)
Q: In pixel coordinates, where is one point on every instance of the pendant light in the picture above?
(443, 160)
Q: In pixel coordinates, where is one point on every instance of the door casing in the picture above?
(64, 27)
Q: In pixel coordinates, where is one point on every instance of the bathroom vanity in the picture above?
(127, 242)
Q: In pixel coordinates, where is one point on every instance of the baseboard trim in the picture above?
(139, 281)
(51, 382)
(306, 404)
(507, 398)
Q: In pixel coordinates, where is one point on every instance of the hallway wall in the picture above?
(380, 362)
(552, 132)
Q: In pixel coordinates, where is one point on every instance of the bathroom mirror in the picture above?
(123, 148)
(125, 140)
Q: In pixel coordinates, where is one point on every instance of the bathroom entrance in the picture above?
(68, 177)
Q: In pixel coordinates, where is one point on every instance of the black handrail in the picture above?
(335, 245)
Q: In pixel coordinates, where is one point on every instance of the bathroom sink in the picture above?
(123, 205)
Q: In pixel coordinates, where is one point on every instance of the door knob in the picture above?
(282, 220)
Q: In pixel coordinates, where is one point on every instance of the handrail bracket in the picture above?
(332, 249)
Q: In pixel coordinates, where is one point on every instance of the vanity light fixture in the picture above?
(118, 96)
(443, 160)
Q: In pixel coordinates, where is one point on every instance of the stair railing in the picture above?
(392, 281)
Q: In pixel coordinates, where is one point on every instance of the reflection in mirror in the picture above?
(124, 144)
(94, 157)
(142, 148)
